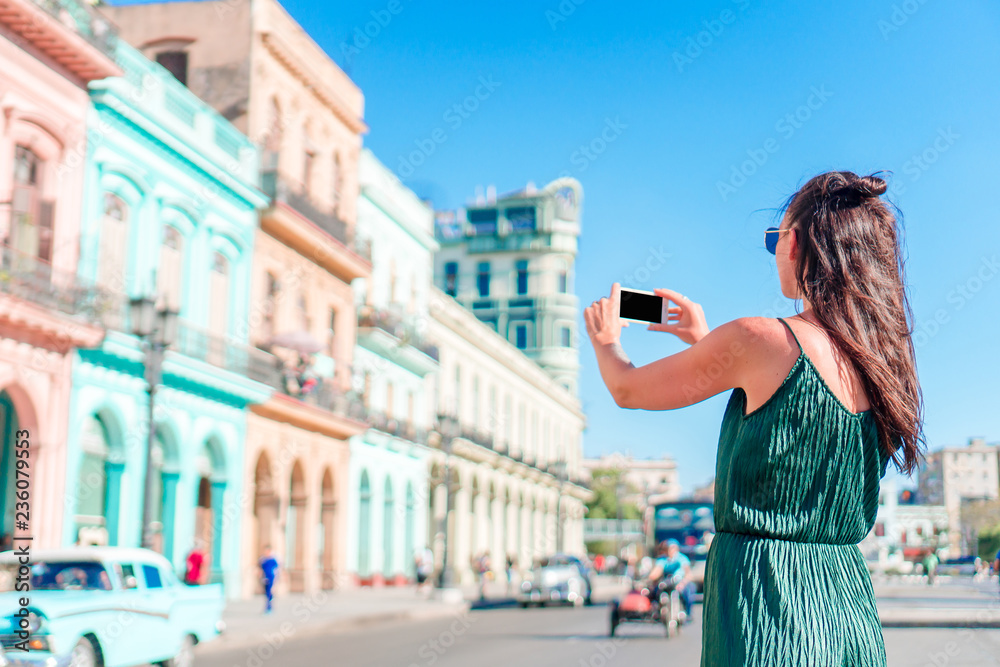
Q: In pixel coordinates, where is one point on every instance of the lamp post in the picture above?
(619, 493)
(562, 476)
(448, 429)
(158, 330)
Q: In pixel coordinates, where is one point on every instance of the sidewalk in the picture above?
(299, 615)
(949, 603)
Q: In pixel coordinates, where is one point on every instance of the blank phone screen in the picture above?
(639, 306)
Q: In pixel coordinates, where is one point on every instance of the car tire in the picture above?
(185, 655)
(84, 654)
(524, 605)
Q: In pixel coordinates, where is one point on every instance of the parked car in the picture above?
(562, 578)
(107, 607)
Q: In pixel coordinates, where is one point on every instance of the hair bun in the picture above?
(869, 186)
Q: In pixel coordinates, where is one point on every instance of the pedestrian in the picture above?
(425, 568)
(194, 563)
(510, 573)
(483, 568)
(673, 566)
(599, 563)
(930, 564)
(821, 402)
(996, 565)
(269, 574)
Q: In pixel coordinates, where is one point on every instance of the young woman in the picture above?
(821, 402)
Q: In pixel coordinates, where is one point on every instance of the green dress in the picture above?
(796, 489)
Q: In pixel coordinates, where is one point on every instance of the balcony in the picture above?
(282, 192)
(72, 33)
(388, 334)
(399, 427)
(26, 277)
(215, 350)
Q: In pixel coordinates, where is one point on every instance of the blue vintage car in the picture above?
(103, 606)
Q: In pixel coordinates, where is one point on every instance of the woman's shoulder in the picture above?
(758, 334)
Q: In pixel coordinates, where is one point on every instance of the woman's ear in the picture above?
(793, 244)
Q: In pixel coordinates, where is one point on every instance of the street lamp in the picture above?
(448, 428)
(158, 330)
(561, 471)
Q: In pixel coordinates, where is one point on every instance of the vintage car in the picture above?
(103, 606)
(557, 579)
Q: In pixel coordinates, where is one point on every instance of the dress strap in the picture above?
(793, 334)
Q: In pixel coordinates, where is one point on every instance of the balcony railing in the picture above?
(281, 191)
(320, 392)
(216, 350)
(85, 21)
(394, 324)
(398, 427)
(31, 279)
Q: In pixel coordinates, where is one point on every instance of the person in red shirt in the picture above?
(195, 561)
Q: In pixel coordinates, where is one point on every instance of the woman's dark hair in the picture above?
(850, 268)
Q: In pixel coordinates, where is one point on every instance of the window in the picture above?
(152, 576)
(565, 337)
(114, 243)
(475, 400)
(483, 279)
(522, 276)
(175, 62)
(171, 274)
(308, 166)
(563, 281)
(31, 226)
(521, 336)
(484, 222)
(336, 180)
(219, 290)
(879, 529)
(128, 577)
(522, 218)
(451, 278)
(270, 305)
(389, 399)
(331, 332)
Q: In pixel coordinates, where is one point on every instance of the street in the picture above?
(558, 636)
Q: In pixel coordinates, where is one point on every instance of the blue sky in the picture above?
(672, 100)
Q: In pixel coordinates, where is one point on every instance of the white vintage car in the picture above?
(102, 607)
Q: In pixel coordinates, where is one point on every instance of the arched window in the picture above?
(113, 243)
(364, 526)
(170, 276)
(388, 530)
(32, 217)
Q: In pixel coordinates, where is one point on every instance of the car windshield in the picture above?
(60, 576)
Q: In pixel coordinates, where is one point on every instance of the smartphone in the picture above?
(643, 306)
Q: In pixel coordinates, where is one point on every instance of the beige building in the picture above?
(258, 67)
(954, 474)
(516, 462)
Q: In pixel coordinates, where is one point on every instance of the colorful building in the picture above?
(170, 213)
(49, 52)
(388, 480)
(280, 88)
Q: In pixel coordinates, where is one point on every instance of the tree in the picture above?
(605, 503)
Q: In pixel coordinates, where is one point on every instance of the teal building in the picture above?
(170, 212)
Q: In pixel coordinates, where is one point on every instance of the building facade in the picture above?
(170, 214)
(49, 52)
(510, 260)
(952, 475)
(510, 441)
(279, 87)
(903, 529)
(644, 477)
(387, 524)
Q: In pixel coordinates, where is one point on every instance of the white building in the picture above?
(510, 261)
(903, 529)
(387, 513)
(517, 464)
(953, 474)
(644, 477)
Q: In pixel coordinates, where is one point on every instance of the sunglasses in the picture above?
(771, 238)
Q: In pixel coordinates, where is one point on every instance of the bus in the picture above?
(690, 522)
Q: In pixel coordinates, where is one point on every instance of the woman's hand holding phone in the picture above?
(602, 320)
(685, 319)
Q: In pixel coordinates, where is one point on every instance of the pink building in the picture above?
(48, 54)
